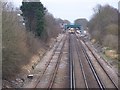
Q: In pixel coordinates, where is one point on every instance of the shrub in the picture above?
(18, 44)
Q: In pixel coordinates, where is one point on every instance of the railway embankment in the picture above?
(19, 80)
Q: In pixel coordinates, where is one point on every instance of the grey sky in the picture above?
(72, 9)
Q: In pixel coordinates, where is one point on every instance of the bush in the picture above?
(112, 29)
(52, 27)
(18, 44)
(104, 26)
(111, 41)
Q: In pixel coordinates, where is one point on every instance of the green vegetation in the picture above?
(33, 13)
(21, 42)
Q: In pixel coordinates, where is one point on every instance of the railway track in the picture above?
(71, 65)
(52, 79)
(85, 69)
(48, 75)
(54, 71)
(90, 73)
(101, 66)
(97, 59)
(101, 85)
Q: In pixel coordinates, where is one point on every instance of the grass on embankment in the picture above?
(18, 45)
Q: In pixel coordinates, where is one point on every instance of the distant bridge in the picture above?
(73, 26)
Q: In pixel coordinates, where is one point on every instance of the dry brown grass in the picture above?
(21, 48)
(111, 41)
(112, 54)
(19, 45)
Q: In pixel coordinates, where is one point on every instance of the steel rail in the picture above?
(72, 73)
(39, 78)
(56, 67)
(100, 83)
(81, 65)
(101, 65)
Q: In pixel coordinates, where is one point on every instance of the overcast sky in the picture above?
(72, 9)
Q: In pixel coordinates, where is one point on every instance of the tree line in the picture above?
(38, 20)
(21, 42)
(103, 26)
(33, 13)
